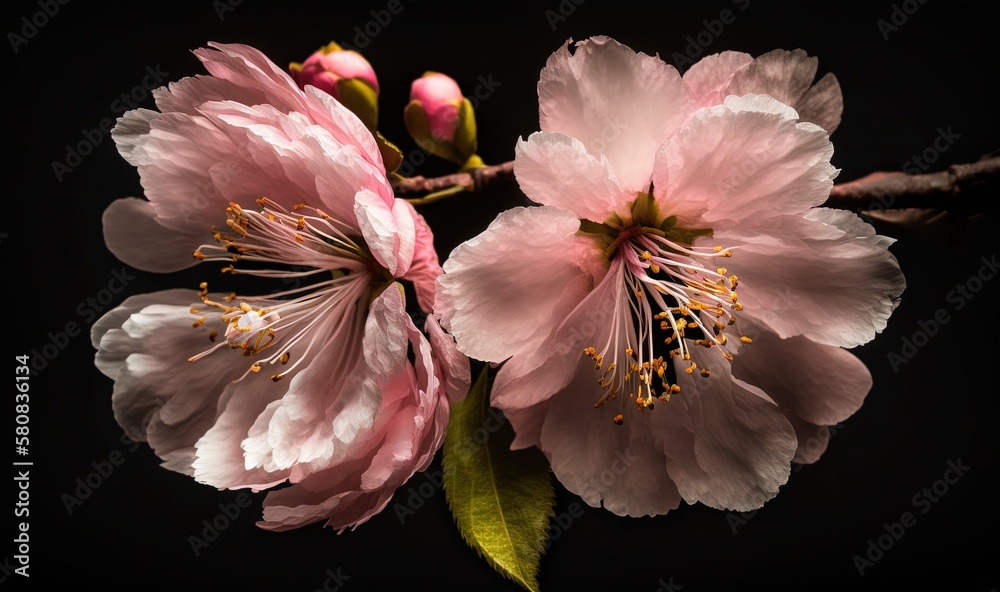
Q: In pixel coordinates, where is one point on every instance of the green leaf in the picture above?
(501, 499)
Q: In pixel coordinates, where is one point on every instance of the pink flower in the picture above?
(311, 383)
(618, 302)
(441, 120)
(440, 97)
(329, 65)
(346, 75)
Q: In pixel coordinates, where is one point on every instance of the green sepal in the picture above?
(686, 236)
(501, 499)
(392, 156)
(602, 234)
(465, 130)
(645, 210)
(420, 131)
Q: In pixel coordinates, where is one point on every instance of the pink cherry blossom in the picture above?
(331, 64)
(440, 97)
(312, 383)
(671, 319)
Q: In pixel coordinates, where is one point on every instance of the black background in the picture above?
(132, 531)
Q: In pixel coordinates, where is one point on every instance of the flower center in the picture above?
(671, 298)
(330, 273)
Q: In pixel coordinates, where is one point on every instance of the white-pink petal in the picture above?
(745, 160)
(523, 273)
(618, 103)
(134, 235)
(554, 169)
(804, 277)
(788, 76)
(708, 77)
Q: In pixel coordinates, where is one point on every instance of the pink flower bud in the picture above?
(330, 64)
(441, 99)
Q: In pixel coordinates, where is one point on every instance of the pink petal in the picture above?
(788, 76)
(425, 269)
(801, 276)
(600, 461)
(618, 103)
(247, 67)
(385, 341)
(553, 266)
(555, 170)
(329, 403)
(388, 230)
(135, 236)
(707, 77)
(821, 384)
(141, 344)
(549, 363)
(727, 445)
(349, 491)
(745, 160)
(454, 368)
(219, 460)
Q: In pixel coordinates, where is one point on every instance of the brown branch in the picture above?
(962, 188)
(478, 179)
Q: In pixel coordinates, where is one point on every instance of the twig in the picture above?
(961, 188)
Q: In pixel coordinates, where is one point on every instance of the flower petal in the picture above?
(728, 445)
(141, 344)
(821, 384)
(549, 364)
(600, 461)
(387, 229)
(788, 76)
(744, 160)
(385, 341)
(133, 233)
(425, 268)
(707, 77)
(617, 102)
(454, 368)
(554, 268)
(555, 170)
(353, 488)
(804, 276)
